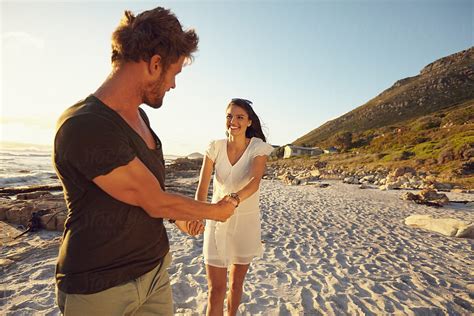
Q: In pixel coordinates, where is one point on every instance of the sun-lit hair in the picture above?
(254, 130)
(152, 32)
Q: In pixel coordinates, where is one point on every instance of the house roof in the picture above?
(303, 148)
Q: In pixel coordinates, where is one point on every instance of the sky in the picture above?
(302, 63)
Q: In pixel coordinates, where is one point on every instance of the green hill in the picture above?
(426, 122)
(443, 84)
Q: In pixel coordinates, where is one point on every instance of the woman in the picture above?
(239, 163)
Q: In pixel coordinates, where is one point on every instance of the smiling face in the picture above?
(237, 120)
(157, 89)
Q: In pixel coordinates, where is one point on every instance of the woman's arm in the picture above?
(257, 170)
(204, 179)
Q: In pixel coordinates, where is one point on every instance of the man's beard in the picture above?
(156, 104)
(156, 101)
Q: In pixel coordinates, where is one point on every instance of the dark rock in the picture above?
(16, 190)
(467, 168)
(33, 195)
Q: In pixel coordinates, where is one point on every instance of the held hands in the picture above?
(224, 208)
(193, 228)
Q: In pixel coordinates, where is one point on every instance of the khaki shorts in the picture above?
(149, 294)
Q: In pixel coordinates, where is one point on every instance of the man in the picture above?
(114, 253)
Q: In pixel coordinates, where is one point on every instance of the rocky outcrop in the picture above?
(400, 178)
(427, 196)
(184, 164)
(49, 207)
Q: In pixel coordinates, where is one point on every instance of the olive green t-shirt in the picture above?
(105, 242)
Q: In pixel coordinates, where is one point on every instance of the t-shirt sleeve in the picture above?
(211, 151)
(93, 145)
(261, 148)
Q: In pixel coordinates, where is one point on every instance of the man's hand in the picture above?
(224, 209)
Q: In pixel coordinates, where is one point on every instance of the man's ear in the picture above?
(155, 64)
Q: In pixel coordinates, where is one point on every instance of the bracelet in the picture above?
(236, 197)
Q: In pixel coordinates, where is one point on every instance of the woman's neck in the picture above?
(237, 142)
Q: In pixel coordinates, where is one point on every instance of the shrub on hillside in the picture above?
(404, 155)
(343, 140)
(459, 117)
(420, 139)
(465, 152)
(446, 155)
(426, 123)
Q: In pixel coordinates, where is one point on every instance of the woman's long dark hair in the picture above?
(254, 130)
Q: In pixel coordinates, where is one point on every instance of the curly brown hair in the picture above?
(152, 32)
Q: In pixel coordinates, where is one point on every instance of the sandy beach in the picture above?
(338, 250)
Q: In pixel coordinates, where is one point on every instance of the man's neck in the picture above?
(118, 94)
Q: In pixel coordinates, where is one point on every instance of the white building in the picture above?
(331, 150)
(292, 151)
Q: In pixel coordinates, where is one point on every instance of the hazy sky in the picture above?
(301, 62)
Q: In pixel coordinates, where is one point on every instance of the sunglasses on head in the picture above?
(238, 100)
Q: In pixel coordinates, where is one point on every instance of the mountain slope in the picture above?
(445, 83)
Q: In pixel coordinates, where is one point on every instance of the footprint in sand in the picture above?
(307, 300)
(282, 278)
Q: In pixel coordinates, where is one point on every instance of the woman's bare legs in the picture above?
(237, 276)
(217, 286)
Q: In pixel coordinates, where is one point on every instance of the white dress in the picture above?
(237, 240)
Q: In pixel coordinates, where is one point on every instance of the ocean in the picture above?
(31, 165)
(26, 166)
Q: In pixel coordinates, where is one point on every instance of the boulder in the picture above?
(315, 173)
(459, 191)
(442, 186)
(408, 196)
(401, 171)
(295, 181)
(19, 215)
(3, 213)
(447, 226)
(48, 221)
(351, 180)
(390, 186)
(60, 220)
(432, 196)
(369, 178)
